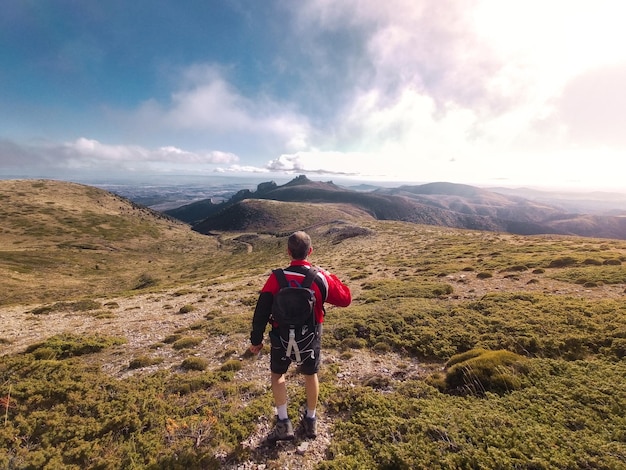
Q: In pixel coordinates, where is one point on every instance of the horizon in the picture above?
(251, 181)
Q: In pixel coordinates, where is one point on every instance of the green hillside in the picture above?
(462, 349)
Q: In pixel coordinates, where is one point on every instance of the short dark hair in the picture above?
(299, 244)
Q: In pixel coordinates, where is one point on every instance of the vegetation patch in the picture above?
(479, 371)
(186, 309)
(67, 345)
(77, 306)
(392, 288)
(195, 363)
(144, 361)
(186, 342)
(416, 426)
(72, 416)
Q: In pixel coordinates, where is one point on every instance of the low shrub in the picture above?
(67, 345)
(592, 262)
(195, 363)
(479, 371)
(186, 342)
(231, 365)
(353, 343)
(144, 361)
(516, 268)
(145, 281)
(172, 338)
(186, 309)
(563, 262)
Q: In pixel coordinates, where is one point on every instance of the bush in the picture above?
(195, 363)
(145, 281)
(353, 343)
(231, 365)
(592, 262)
(144, 361)
(484, 275)
(186, 342)
(66, 345)
(186, 309)
(563, 262)
(479, 371)
(612, 262)
(518, 268)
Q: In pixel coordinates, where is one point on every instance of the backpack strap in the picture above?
(280, 277)
(310, 277)
(307, 282)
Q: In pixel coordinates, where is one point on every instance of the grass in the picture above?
(490, 371)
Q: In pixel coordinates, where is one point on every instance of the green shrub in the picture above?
(382, 347)
(516, 268)
(186, 342)
(195, 363)
(563, 262)
(144, 361)
(480, 371)
(592, 262)
(186, 309)
(145, 281)
(612, 262)
(67, 345)
(172, 338)
(78, 306)
(231, 365)
(353, 343)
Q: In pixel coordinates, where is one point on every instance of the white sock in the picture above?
(310, 413)
(282, 411)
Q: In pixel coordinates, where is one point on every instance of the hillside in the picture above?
(461, 349)
(66, 239)
(439, 204)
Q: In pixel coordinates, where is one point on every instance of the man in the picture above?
(328, 288)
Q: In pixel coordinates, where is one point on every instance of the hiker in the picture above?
(327, 288)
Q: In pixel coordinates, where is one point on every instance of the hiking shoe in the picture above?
(309, 427)
(283, 431)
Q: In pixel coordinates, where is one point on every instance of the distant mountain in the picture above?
(440, 204)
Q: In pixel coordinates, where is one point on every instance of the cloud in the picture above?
(89, 154)
(207, 103)
(327, 163)
(592, 107)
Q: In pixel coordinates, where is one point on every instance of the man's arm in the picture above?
(338, 293)
(261, 316)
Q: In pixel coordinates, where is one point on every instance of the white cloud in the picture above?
(206, 102)
(90, 154)
(484, 91)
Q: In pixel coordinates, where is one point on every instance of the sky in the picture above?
(483, 92)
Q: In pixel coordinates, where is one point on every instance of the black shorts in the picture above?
(311, 359)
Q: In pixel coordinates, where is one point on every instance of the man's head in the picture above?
(299, 245)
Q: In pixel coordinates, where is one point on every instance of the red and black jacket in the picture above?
(328, 288)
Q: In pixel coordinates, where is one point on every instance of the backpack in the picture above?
(293, 308)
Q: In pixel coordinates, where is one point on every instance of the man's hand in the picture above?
(256, 348)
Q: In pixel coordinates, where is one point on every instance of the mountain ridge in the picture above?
(439, 204)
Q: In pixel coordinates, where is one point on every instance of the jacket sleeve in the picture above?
(261, 317)
(338, 293)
